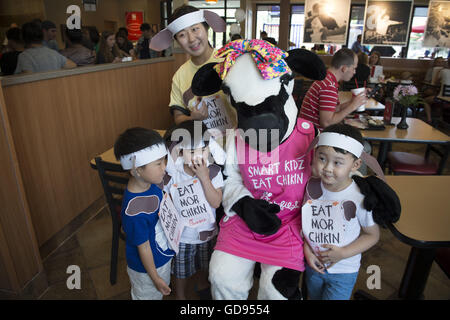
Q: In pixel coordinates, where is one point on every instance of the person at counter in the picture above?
(192, 36)
(142, 46)
(49, 31)
(37, 57)
(108, 51)
(8, 61)
(75, 51)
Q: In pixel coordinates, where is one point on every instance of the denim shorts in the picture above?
(329, 286)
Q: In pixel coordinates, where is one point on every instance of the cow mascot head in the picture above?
(268, 165)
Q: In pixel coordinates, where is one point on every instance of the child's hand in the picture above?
(200, 169)
(332, 256)
(312, 260)
(162, 287)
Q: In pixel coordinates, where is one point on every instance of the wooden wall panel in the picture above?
(59, 124)
(19, 253)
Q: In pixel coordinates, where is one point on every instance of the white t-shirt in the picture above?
(178, 175)
(349, 228)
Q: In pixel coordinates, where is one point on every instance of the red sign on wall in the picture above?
(134, 20)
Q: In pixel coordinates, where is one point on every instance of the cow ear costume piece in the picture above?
(163, 39)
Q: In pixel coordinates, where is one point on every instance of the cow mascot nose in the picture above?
(267, 168)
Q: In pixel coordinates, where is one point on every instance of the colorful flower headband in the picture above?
(268, 58)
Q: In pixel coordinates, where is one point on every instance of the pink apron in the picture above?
(279, 177)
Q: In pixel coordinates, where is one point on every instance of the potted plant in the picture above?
(406, 96)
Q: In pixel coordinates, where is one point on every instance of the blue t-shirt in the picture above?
(141, 223)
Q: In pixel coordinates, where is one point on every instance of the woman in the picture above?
(108, 51)
(362, 70)
(374, 59)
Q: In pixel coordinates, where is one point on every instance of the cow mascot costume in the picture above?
(267, 168)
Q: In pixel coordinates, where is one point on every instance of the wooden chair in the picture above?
(114, 181)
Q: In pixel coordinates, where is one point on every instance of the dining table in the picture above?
(418, 131)
(423, 225)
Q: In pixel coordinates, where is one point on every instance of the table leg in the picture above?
(382, 153)
(416, 273)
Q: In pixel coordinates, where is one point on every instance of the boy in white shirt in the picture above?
(189, 161)
(335, 224)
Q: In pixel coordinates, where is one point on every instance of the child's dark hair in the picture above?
(135, 139)
(189, 127)
(346, 130)
(181, 11)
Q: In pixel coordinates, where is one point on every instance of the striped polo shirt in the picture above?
(322, 95)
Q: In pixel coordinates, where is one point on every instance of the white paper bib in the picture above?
(323, 222)
(191, 204)
(218, 117)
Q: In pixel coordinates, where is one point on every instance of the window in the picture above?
(297, 25)
(415, 49)
(217, 39)
(268, 20)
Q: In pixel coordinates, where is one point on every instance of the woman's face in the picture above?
(373, 59)
(193, 39)
(111, 40)
(120, 40)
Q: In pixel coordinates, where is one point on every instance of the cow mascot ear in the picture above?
(306, 63)
(206, 81)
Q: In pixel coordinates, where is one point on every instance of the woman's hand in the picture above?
(200, 114)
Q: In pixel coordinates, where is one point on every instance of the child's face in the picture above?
(154, 171)
(334, 167)
(195, 155)
(193, 39)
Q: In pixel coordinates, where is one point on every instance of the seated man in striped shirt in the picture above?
(321, 104)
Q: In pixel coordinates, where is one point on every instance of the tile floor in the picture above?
(89, 248)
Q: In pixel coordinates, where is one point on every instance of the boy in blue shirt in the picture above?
(142, 151)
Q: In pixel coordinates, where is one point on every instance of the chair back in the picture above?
(114, 181)
(446, 90)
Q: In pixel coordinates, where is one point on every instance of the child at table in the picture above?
(189, 160)
(337, 223)
(143, 152)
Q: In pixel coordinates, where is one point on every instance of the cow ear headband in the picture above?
(163, 39)
(142, 157)
(333, 139)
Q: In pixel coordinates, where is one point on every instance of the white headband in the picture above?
(143, 157)
(333, 139)
(185, 21)
(163, 39)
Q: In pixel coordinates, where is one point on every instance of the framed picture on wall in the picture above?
(386, 22)
(437, 31)
(326, 21)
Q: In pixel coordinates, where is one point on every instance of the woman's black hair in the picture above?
(135, 139)
(346, 130)
(181, 11)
